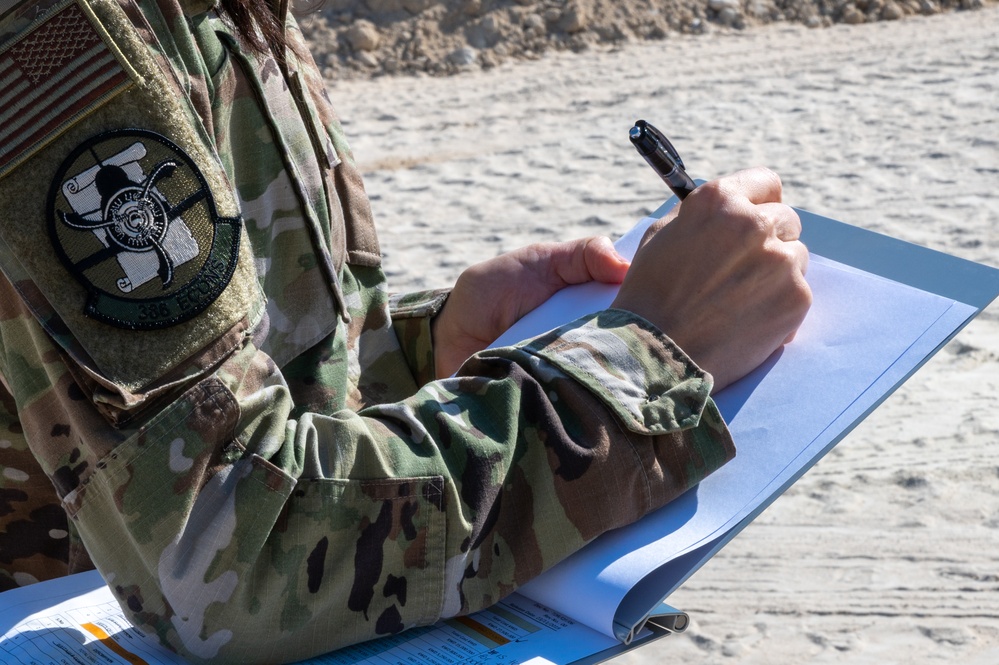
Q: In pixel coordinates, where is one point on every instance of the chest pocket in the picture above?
(361, 241)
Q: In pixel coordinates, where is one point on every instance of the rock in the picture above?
(472, 7)
(730, 17)
(534, 24)
(491, 23)
(484, 34)
(609, 33)
(574, 18)
(363, 36)
(367, 59)
(487, 60)
(462, 57)
(697, 27)
(891, 11)
(761, 9)
(870, 6)
(852, 15)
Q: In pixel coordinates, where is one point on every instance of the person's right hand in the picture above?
(724, 275)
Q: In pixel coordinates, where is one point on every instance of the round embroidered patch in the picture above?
(132, 218)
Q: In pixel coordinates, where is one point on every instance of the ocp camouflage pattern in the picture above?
(279, 476)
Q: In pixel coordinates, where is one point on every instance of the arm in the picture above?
(240, 529)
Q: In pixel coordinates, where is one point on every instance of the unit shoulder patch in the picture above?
(134, 221)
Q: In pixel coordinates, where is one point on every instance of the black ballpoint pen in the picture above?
(662, 157)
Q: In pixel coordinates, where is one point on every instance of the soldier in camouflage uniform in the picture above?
(206, 390)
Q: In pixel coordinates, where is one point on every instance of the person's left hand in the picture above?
(491, 296)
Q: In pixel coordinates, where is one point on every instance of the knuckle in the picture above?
(774, 178)
(757, 223)
(724, 204)
(801, 296)
(535, 253)
(748, 225)
(711, 195)
(591, 244)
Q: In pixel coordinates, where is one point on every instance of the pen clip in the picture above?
(661, 139)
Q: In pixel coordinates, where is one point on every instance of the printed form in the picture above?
(77, 620)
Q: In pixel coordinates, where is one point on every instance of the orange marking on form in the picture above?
(488, 633)
(107, 641)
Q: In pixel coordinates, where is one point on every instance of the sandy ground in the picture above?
(888, 550)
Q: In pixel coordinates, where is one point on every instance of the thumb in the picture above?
(603, 263)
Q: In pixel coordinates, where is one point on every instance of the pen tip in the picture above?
(635, 133)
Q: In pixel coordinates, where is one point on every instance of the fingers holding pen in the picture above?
(787, 257)
(745, 210)
(731, 198)
(784, 228)
(758, 184)
(724, 277)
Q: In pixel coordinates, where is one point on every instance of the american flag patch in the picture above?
(55, 73)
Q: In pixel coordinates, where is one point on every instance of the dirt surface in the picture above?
(363, 38)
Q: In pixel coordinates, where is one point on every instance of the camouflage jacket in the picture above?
(206, 389)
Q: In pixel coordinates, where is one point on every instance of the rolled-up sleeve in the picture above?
(412, 316)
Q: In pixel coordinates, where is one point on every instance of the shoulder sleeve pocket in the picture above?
(118, 224)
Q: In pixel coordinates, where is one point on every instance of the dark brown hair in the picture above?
(257, 26)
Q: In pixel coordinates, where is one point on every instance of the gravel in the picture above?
(364, 38)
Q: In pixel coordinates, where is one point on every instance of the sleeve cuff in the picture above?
(412, 314)
(633, 368)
